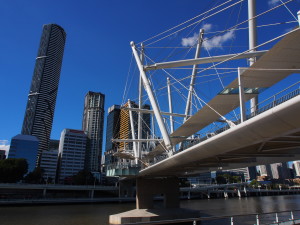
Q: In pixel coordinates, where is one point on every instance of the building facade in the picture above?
(296, 167)
(112, 126)
(92, 124)
(2, 154)
(72, 148)
(125, 126)
(44, 85)
(265, 170)
(24, 146)
(48, 163)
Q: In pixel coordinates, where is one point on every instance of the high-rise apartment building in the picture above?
(72, 147)
(92, 124)
(44, 85)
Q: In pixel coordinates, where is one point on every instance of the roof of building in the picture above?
(25, 137)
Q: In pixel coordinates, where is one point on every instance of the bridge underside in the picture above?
(271, 137)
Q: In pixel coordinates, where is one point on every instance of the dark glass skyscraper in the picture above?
(112, 131)
(112, 126)
(92, 124)
(44, 85)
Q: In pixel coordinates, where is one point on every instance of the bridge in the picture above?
(269, 133)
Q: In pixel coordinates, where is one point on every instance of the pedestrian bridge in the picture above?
(270, 137)
(269, 134)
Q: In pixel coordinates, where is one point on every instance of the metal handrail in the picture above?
(231, 217)
(275, 102)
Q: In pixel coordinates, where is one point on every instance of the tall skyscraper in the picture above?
(112, 131)
(44, 85)
(112, 126)
(92, 124)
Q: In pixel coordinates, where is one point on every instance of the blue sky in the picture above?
(97, 53)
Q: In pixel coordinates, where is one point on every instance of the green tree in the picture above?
(254, 183)
(35, 177)
(221, 179)
(184, 182)
(12, 170)
(83, 177)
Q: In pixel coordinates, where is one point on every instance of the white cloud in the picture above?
(218, 41)
(215, 42)
(207, 27)
(190, 41)
(273, 2)
(4, 146)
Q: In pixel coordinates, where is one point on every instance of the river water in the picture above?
(97, 214)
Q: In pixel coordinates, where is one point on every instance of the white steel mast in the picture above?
(152, 99)
(252, 43)
(193, 77)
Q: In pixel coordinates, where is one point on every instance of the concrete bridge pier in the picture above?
(208, 194)
(146, 191)
(148, 188)
(44, 192)
(91, 193)
(239, 193)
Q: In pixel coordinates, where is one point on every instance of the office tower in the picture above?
(296, 166)
(49, 161)
(112, 131)
(265, 170)
(72, 147)
(252, 172)
(44, 85)
(280, 171)
(112, 126)
(24, 146)
(92, 124)
(275, 170)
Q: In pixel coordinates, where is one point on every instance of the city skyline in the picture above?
(96, 56)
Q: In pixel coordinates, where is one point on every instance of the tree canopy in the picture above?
(12, 170)
(83, 177)
(35, 177)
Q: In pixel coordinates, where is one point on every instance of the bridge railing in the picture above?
(277, 99)
(280, 218)
(269, 103)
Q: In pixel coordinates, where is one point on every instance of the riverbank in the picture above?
(63, 201)
(73, 201)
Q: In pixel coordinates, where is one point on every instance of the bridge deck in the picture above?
(272, 136)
